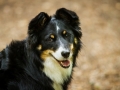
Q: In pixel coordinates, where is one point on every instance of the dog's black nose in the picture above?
(65, 54)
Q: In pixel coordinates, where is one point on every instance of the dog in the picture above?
(45, 59)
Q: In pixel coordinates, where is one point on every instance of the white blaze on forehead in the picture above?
(57, 27)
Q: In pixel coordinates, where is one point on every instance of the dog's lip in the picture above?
(63, 63)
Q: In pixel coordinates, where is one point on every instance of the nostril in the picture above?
(65, 54)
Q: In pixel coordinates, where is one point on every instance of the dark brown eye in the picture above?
(66, 35)
(51, 38)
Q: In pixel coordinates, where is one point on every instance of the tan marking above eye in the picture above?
(39, 47)
(64, 32)
(52, 36)
(45, 54)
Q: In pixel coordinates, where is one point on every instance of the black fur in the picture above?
(21, 67)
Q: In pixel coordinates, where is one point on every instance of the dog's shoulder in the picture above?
(12, 53)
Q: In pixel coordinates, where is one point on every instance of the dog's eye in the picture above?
(66, 35)
(51, 38)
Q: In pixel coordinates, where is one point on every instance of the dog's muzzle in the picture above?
(63, 63)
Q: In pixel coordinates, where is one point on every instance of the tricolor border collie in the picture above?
(45, 59)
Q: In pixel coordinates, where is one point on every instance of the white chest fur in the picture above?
(57, 86)
(56, 73)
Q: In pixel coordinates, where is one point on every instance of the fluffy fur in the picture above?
(45, 59)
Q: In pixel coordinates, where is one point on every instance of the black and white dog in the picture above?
(45, 59)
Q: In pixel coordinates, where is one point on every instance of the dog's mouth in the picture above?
(63, 63)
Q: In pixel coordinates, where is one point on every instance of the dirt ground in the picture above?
(98, 63)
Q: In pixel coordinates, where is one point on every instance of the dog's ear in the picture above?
(71, 18)
(38, 22)
(36, 25)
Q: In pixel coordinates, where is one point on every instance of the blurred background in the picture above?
(98, 63)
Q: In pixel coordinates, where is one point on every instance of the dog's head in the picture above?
(56, 37)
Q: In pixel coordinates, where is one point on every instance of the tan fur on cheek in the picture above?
(45, 54)
(72, 50)
(71, 47)
(75, 40)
